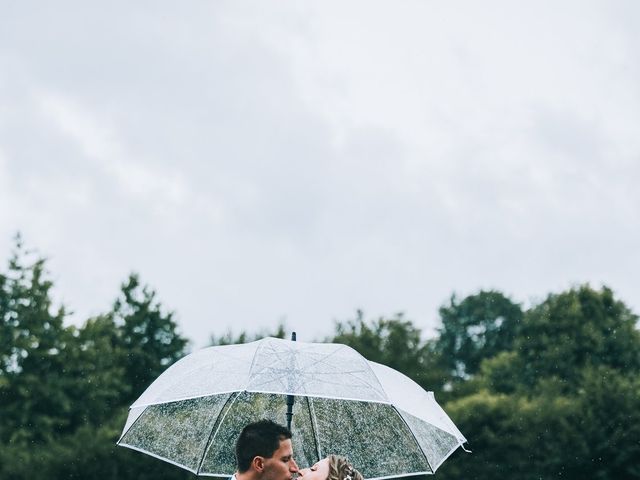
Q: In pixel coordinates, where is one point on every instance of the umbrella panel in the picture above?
(269, 365)
(177, 432)
(373, 436)
(436, 444)
(246, 408)
(200, 434)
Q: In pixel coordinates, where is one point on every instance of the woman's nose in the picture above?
(303, 472)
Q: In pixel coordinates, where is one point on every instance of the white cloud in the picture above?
(100, 143)
(258, 160)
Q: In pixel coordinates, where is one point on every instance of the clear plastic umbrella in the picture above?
(385, 423)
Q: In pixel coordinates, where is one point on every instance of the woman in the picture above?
(333, 467)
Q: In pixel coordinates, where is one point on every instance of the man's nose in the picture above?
(293, 466)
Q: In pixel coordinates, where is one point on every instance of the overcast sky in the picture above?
(260, 161)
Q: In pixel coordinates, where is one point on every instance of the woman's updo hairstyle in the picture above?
(341, 469)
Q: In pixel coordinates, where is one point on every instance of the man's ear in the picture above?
(258, 463)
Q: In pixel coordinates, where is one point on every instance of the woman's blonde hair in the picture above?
(341, 469)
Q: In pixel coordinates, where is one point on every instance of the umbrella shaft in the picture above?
(290, 400)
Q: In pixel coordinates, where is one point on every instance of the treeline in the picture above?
(64, 390)
(551, 391)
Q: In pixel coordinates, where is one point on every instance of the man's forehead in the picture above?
(285, 445)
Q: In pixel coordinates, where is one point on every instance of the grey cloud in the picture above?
(247, 177)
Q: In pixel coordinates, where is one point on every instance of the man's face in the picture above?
(281, 465)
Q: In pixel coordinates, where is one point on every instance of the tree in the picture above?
(574, 330)
(33, 340)
(477, 328)
(397, 343)
(591, 434)
(563, 402)
(65, 391)
(230, 338)
(95, 372)
(149, 338)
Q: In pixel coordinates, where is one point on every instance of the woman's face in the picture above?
(319, 471)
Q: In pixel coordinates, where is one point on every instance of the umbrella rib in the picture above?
(281, 370)
(265, 382)
(368, 384)
(325, 382)
(255, 354)
(134, 422)
(379, 388)
(351, 373)
(278, 354)
(373, 373)
(363, 380)
(216, 427)
(265, 367)
(160, 457)
(319, 360)
(414, 437)
(285, 370)
(322, 360)
(449, 454)
(280, 359)
(314, 426)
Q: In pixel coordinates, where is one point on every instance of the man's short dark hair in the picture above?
(260, 438)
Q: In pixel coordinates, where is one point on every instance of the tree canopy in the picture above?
(65, 391)
(476, 328)
(545, 392)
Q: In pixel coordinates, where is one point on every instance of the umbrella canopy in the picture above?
(385, 423)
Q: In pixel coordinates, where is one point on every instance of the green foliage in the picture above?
(397, 343)
(65, 391)
(89, 453)
(229, 338)
(577, 329)
(502, 373)
(563, 402)
(515, 437)
(96, 371)
(148, 336)
(32, 355)
(476, 328)
(540, 403)
(593, 434)
(552, 392)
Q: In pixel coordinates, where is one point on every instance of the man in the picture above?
(264, 452)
